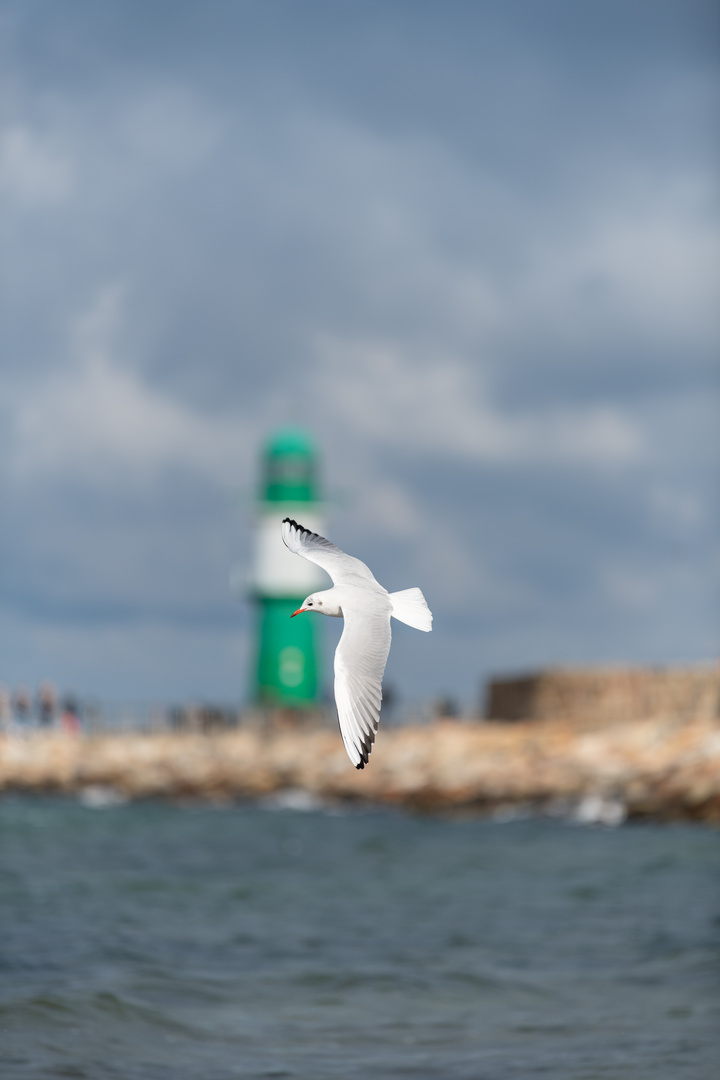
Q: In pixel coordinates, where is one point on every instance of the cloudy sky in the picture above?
(472, 246)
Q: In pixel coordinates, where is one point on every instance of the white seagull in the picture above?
(363, 649)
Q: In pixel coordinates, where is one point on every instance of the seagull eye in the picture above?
(309, 603)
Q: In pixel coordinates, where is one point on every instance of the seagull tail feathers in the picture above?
(410, 607)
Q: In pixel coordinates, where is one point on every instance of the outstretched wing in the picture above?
(360, 660)
(342, 568)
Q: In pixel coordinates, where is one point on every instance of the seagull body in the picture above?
(363, 649)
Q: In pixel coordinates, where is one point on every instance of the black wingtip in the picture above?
(296, 525)
(361, 765)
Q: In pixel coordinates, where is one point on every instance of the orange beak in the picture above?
(298, 612)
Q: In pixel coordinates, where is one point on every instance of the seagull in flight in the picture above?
(363, 649)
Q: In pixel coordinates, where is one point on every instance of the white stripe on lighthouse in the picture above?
(277, 571)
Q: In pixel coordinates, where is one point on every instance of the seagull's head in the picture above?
(324, 602)
(311, 603)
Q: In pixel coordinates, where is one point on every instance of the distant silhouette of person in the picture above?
(447, 709)
(5, 709)
(47, 704)
(21, 707)
(70, 718)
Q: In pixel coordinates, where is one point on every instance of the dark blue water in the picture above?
(165, 943)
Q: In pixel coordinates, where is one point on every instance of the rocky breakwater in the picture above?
(662, 768)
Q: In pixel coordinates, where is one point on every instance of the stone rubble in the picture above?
(662, 768)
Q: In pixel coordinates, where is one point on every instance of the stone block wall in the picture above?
(596, 696)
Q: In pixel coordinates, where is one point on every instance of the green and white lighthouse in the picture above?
(286, 656)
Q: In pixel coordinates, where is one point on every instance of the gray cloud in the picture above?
(476, 254)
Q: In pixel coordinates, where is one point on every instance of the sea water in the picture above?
(158, 942)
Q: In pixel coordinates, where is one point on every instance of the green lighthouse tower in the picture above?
(286, 659)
